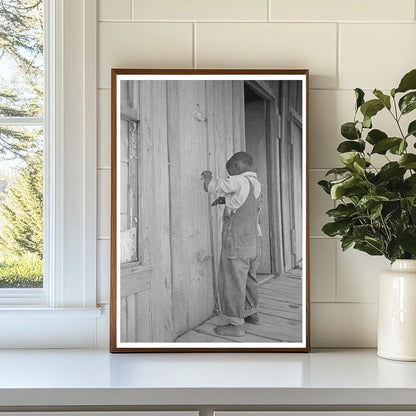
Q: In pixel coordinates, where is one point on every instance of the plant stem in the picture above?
(397, 118)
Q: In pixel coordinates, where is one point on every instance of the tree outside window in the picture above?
(21, 143)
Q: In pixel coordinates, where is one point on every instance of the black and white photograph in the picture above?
(209, 214)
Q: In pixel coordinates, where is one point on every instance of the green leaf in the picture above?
(349, 146)
(408, 82)
(371, 108)
(338, 189)
(408, 102)
(349, 131)
(411, 130)
(368, 248)
(411, 180)
(346, 242)
(393, 250)
(338, 171)
(333, 229)
(359, 165)
(350, 187)
(325, 186)
(408, 161)
(375, 212)
(399, 148)
(349, 158)
(407, 240)
(385, 99)
(359, 94)
(367, 122)
(391, 170)
(368, 201)
(342, 211)
(361, 231)
(375, 136)
(383, 145)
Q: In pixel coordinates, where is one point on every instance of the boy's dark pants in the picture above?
(238, 287)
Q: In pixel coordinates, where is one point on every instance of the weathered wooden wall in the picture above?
(185, 128)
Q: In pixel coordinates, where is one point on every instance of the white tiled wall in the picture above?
(345, 44)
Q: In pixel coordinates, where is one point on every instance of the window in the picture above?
(22, 132)
(64, 312)
(129, 165)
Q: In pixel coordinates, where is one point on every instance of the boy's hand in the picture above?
(218, 201)
(206, 175)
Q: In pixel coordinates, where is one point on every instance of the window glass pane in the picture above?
(21, 58)
(21, 207)
(21, 146)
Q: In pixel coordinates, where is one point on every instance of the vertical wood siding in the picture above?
(192, 275)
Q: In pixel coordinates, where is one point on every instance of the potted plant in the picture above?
(376, 209)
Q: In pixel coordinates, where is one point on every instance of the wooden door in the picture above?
(256, 146)
(191, 245)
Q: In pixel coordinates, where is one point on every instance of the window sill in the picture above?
(40, 327)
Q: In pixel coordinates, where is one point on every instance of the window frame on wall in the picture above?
(69, 292)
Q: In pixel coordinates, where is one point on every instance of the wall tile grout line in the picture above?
(352, 22)
(194, 21)
(309, 22)
(194, 62)
(344, 303)
(319, 169)
(338, 57)
(336, 271)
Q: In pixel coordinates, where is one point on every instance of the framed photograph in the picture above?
(209, 210)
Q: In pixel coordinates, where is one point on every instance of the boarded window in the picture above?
(129, 190)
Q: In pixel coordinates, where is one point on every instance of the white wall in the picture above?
(344, 43)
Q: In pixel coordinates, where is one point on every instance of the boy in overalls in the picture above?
(240, 249)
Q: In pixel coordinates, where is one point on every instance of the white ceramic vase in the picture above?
(397, 312)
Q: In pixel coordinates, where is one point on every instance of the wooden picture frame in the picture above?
(167, 293)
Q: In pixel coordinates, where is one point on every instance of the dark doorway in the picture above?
(256, 145)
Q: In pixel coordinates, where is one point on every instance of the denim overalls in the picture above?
(240, 252)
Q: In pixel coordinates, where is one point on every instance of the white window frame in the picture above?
(41, 296)
(69, 292)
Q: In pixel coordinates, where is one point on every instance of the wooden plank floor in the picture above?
(280, 308)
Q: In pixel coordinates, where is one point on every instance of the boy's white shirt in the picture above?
(235, 189)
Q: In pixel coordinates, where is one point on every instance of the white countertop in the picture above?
(96, 377)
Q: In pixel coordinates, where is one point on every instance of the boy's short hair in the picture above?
(244, 157)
